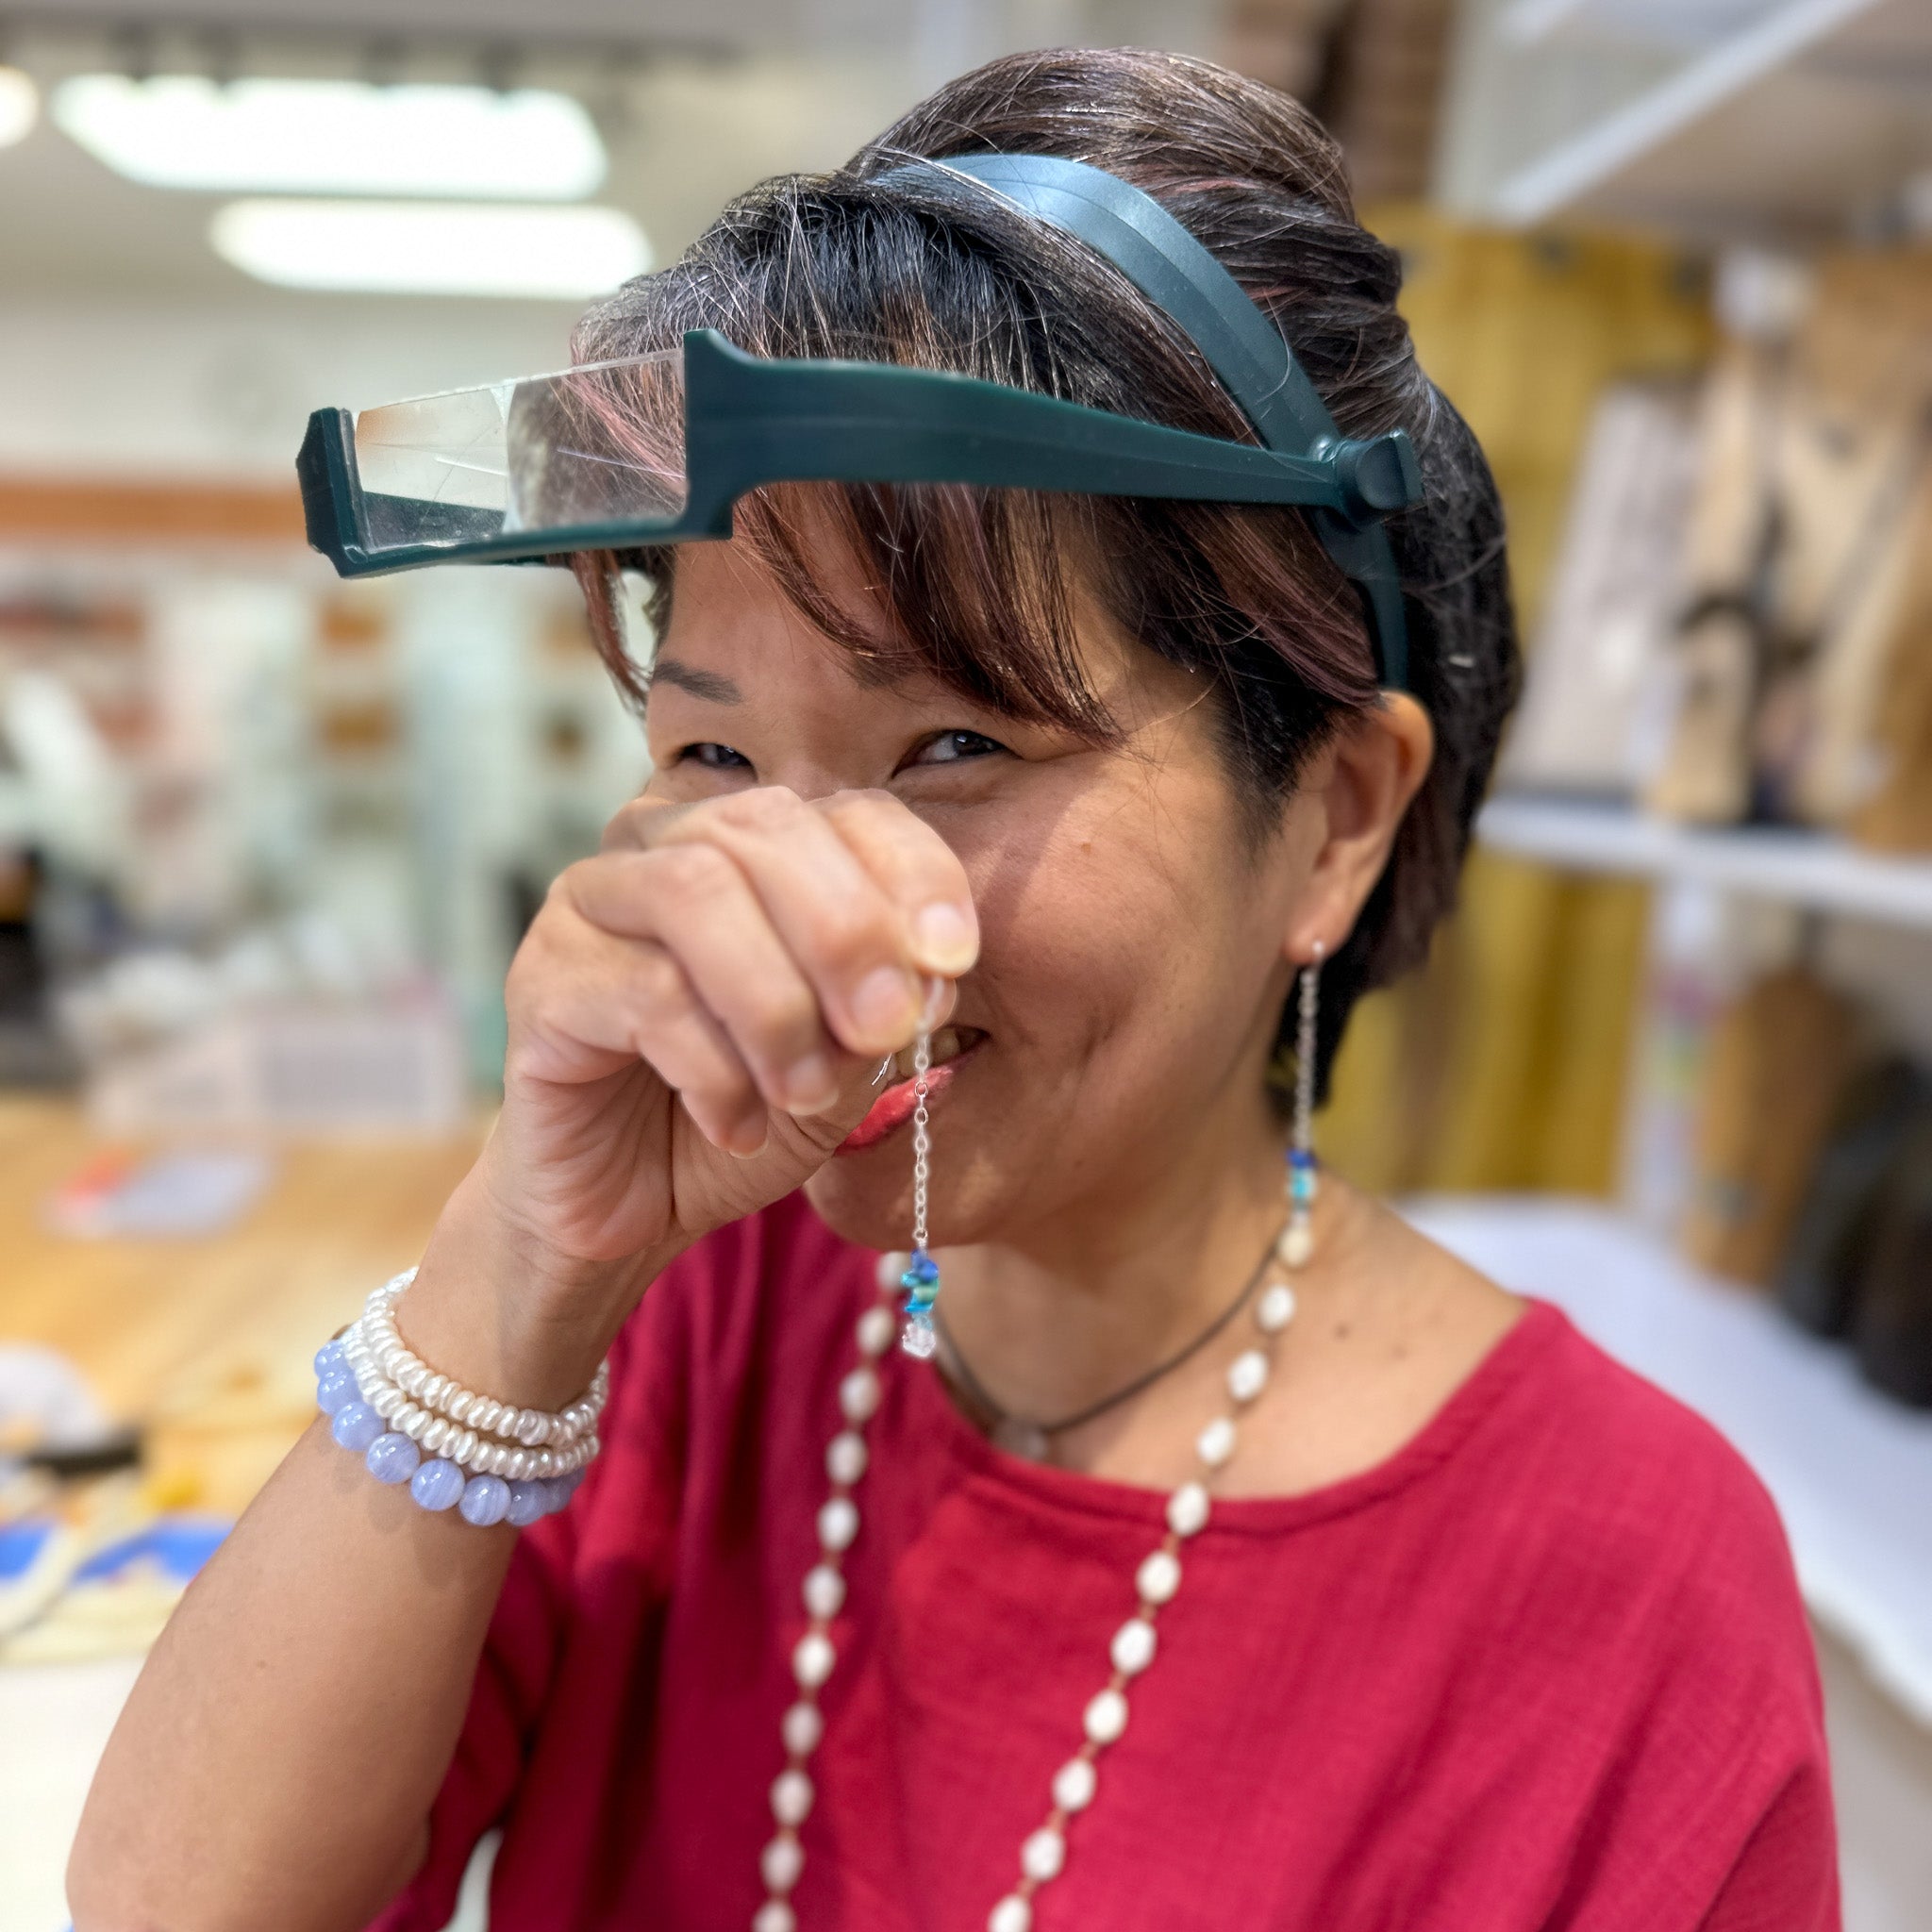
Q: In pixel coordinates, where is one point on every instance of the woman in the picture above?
(1461, 1627)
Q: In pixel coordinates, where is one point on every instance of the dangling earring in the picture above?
(1297, 1243)
(921, 1280)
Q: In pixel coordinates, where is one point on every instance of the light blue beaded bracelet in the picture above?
(435, 1482)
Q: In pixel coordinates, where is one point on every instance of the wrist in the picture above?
(501, 1312)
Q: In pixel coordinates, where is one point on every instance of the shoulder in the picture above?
(1638, 1527)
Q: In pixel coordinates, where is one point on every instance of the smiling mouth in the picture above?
(951, 1046)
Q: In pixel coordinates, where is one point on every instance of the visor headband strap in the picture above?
(1247, 352)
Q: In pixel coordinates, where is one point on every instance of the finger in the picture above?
(590, 999)
(849, 939)
(694, 901)
(917, 871)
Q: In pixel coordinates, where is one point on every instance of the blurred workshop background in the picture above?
(267, 842)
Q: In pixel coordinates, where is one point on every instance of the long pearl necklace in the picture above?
(1157, 1579)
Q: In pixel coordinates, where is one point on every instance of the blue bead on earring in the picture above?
(1297, 1244)
(921, 1279)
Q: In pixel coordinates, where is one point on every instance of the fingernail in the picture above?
(810, 1086)
(946, 937)
(885, 1003)
(734, 1142)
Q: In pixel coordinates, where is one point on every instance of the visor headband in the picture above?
(1246, 352)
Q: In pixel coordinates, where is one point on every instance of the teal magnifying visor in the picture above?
(657, 449)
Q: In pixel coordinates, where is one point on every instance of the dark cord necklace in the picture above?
(1032, 1440)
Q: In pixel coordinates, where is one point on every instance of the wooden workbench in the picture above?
(208, 1340)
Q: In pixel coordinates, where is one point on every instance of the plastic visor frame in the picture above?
(752, 420)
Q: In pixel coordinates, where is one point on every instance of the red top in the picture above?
(1543, 1667)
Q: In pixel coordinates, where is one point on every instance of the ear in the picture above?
(1355, 792)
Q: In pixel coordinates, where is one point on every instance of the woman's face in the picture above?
(1134, 942)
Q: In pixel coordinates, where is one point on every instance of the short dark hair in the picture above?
(976, 586)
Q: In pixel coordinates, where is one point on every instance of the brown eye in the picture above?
(950, 748)
(716, 758)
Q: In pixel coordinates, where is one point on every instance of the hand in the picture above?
(696, 1018)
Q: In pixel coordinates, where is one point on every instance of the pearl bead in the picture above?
(486, 1500)
(839, 1523)
(782, 1861)
(1042, 1855)
(1215, 1443)
(487, 1418)
(804, 1725)
(890, 1266)
(876, 1330)
(458, 1409)
(462, 1448)
(1013, 1914)
(859, 1395)
(1296, 1246)
(1105, 1718)
(1247, 1375)
(1159, 1577)
(845, 1456)
(1187, 1510)
(517, 1466)
(813, 1658)
(775, 1915)
(792, 1796)
(1133, 1647)
(532, 1428)
(824, 1593)
(436, 1436)
(1275, 1309)
(436, 1391)
(1073, 1783)
(388, 1403)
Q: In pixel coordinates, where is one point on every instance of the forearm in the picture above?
(277, 1759)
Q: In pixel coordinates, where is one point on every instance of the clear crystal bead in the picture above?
(919, 1339)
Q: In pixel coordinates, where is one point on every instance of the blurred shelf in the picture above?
(1724, 118)
(1849, 1470)
(1812, 869)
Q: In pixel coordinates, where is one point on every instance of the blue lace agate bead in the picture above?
(335, 1391)
(393, 1457)
(562, 1487)
(328, 1359)
(486, 1500)
(438, 1485)
(528, 1501)
(356, 1425)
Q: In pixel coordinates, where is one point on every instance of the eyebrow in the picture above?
(708, 685)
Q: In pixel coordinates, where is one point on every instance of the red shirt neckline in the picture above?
(1514, 1356)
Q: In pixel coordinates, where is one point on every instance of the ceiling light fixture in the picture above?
(334, 136)
(19, 106)
(431, 248)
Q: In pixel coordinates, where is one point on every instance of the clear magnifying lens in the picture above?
(599, 445)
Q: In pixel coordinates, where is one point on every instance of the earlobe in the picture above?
(1371, 774)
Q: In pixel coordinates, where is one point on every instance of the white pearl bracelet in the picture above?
(530, 1428)
(470, 1430)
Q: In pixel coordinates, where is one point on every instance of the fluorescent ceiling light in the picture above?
(334, 136)
(429, 248)
(20, 103)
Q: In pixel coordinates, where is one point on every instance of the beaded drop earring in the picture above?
(921, 1279)
(1298, 1238)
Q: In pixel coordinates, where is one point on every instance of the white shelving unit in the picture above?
(1849, 1470)
(1809, 870)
